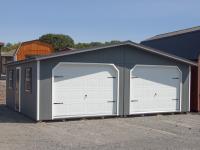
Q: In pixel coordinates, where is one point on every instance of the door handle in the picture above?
(176, 99)
(111, 101)
(134, 100)
(112, 77)
(58, 76)
(59, 103)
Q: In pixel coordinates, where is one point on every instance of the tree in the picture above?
(95, 44)
(58, 41)
(9, 47)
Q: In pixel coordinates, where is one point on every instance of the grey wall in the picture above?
(28, 99)
(184, 45)
(124, 57)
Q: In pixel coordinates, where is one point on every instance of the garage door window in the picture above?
(28, 79)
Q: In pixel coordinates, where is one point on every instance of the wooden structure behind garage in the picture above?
(31, 49)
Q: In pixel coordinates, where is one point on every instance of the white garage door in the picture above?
(84, 90)
(154, 89)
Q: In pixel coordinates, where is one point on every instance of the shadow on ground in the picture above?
(9, 116)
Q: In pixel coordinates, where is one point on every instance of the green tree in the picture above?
(58, 41)
(9, 46)
(94, 44)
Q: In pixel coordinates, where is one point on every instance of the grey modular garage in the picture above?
(113, 80)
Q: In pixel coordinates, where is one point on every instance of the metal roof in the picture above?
(175, 33)
(129, 43)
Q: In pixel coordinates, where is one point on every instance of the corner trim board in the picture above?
(189, 109)
(38, 90)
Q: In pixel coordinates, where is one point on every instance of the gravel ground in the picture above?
(146, 133)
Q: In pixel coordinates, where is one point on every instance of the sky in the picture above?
(95, 20)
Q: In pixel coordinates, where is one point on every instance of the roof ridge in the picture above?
(173, 33)
(130, 43)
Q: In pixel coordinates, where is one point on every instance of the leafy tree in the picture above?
(94, 44)
(61, 41)
(9, 46)
(58, 41)
(82, 45)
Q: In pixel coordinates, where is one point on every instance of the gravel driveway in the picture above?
(153, 132)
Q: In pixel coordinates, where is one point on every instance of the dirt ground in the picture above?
(161, 132)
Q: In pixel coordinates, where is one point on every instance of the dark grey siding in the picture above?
(135, 56)
(185, 45)
(28, 99)
(102, 56)
(124, 57)
(10, 93)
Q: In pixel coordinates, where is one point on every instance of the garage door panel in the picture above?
(96, 108)
(76, 82)
(163, 76)
(154, 89)
(68, 109)
(87, 93)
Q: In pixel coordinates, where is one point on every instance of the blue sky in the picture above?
(95, 20)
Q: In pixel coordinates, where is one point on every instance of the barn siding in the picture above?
(33, 48)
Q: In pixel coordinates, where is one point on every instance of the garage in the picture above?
(155, 89)
(111, 80)
(84, 90)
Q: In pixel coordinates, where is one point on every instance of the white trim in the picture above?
(38, 90)
(15, 54)
(180, 102)
(70, 116)
(79, 63)
(151, 112)
(189, 89)
(19, 68)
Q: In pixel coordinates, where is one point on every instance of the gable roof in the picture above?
(175, 33)
(129, 43)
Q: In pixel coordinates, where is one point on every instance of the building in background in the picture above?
(2, 82)
(184, 43)
(6, 57)
(1, 45)
(24, 51)
(30, 49)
